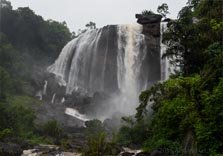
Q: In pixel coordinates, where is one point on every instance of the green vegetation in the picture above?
(147, 12)
(26, 42)
(187, 108)
(52, 128)
(91, 25)
(163, 9)
(16, 118)
(98, 142)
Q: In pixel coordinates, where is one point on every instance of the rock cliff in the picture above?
(91, 99)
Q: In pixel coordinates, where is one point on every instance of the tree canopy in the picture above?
(28, 43)
(187, 108)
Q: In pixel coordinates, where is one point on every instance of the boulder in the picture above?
(126, 154)
(131, 152)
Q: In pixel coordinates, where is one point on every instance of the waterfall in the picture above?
(45, 88)
(76, 114)
(39, 95)
(62, 100)
(166, 67)
(131, 52)
(111, 59)
(53, 98)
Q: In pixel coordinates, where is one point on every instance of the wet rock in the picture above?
(24, 144)
(10, 149)
(97, 102)
(151, 64)
(78, 100)
(148, 19)
(126, 154)
(48, 112)
(130, 152)
(48, 152)
(143, 154)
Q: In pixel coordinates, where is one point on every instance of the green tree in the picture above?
(147, 12)
(98, 143)
(91, 25)
(187, 108)
(189, 35)
(52, 129)
(163, 9)
(5, 83)
(5, 4)
(57, 35)
(27, 43)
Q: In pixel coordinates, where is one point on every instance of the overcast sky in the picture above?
(77, 13)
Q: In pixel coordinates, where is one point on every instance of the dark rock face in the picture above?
(151, 29)
(148, 19)
(107, 41)
(151, 24)
(98, 84)
(56, 111)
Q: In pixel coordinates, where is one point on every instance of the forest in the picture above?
(187, 108)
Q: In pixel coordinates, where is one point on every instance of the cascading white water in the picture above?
(80, 64)
(45, 87)
(76, 114)
(59, 67)
(166, 67)
(85, 48)
(62, 100)
(53, 98)
(106, 60)
(129, 62)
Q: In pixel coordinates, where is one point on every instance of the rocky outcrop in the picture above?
(131, 152)
(151, 29)
(93, 98)
(47, 150)
(151, 23)
(56, 111)
(148, 19)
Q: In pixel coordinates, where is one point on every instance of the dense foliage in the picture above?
(187, 108)
(98, 142)
(27, 43)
